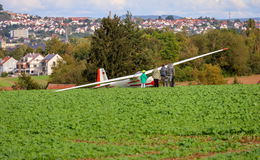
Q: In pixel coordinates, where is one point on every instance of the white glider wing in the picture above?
(139, 74)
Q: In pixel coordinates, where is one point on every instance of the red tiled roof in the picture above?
(4, 60)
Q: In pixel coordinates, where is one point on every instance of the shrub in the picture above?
(26, 82)
(69, 71)
(184, 74)
(4, 74)
(209, 75)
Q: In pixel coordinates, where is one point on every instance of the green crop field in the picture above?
(192, 122)
(9, 81)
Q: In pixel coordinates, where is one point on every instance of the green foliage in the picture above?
(2, 53)
(82, 49)
(26, 82)
(250, 24)
(235, 60)
(4, 16)
(10, 81)
(170, 49)
(118, 47)
(119, 123)
(21, 51)
(253, 42)
(69, 71)
(1, 7)
(209, 75)
(56, 46)
(4, 74)
(170, 17)
(188, 50)
(184, 74)
(243, 155)
(40, 50)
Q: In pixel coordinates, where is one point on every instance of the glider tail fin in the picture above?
(101, 75)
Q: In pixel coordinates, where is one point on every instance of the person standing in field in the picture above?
(156, 77)
(143, 78)
(163, 75)
(170, 74)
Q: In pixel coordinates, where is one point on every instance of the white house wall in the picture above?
(35, 65)
(9, 66)
(1, 69)
(50, 65)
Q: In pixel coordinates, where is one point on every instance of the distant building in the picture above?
(50, 61)
(2, 43)
(5, 45)
(8, 65)
(20, 33)
(30, 64)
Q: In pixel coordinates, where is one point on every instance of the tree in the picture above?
(188, 50)
(118, 47)
(55, 46)
(39, 50)
(82, 49)
(69, 71)
(170, 49)
(19, 52)
(1, 7)
(2, 53)
(251, 24)
(233, 61)
(253, 42)
(170, 17)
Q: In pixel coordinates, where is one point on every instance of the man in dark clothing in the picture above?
(163, 75)
(170, 74)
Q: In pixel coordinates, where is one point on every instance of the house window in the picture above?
(35, 65)
(53, 64)
(31, 71)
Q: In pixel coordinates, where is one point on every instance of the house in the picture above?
(50, 61)
(30, 64)
(8, 65)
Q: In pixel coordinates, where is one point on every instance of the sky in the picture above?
(100, 8)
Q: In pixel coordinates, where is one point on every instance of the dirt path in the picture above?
(254, 79)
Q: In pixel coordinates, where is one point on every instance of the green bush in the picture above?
(209, 75)
(4, 74)
(184, 74)
(26, 82)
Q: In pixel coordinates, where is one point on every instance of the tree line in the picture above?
(122, 48)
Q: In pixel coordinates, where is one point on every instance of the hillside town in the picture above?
(31, 29)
